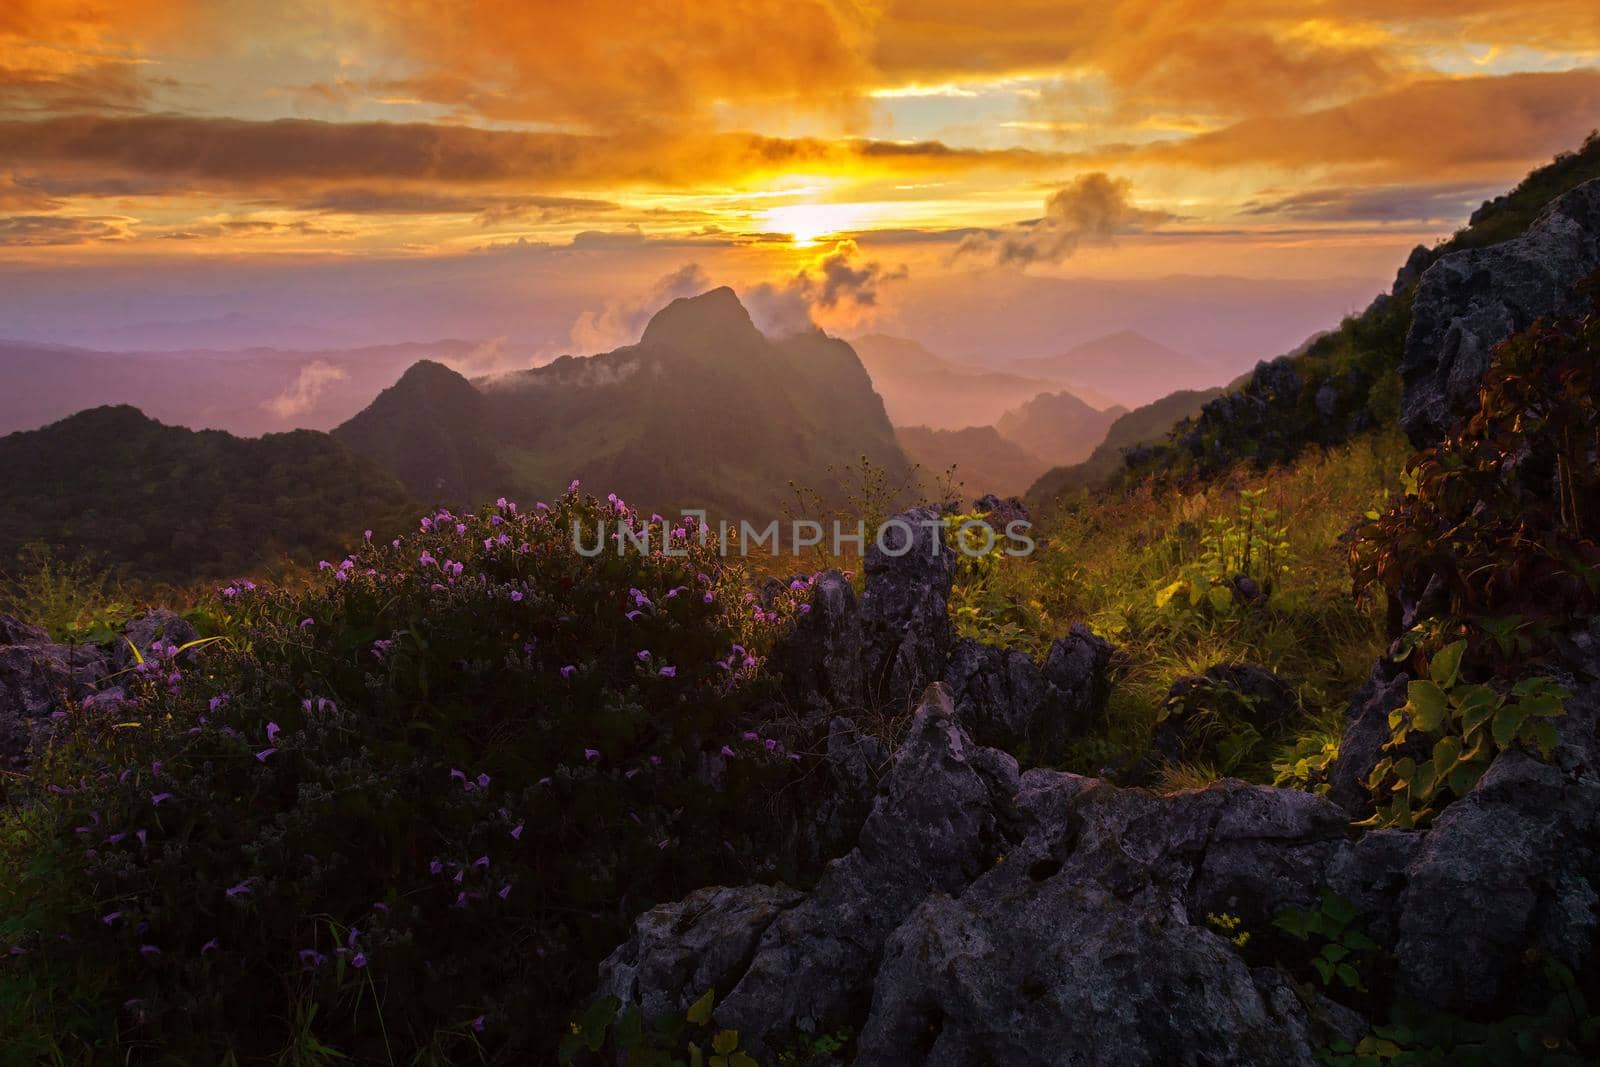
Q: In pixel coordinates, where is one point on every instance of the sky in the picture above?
(354, 171)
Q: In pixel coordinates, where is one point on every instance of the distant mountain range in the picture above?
(1058, 426)
(247, 391)
(922, 388)
(705, 411)
(1127, 366)
(1141, 426)
(163, 503)
(977, 459)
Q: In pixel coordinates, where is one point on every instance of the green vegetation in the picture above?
(1114, 562)
(396, 812)
(177, 504)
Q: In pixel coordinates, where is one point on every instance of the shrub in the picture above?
(401, 811)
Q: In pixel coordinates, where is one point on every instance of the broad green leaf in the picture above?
(1447, 664)
(1507, 721)
(1446, 752)
(1426, 703)
(700, 1011)
(725, 1042)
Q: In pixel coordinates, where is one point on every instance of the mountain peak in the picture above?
(714, 316)
(430, 374)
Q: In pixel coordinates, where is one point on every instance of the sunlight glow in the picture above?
(806, 224)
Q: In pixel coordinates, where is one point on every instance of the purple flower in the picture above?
(239, 890)
(426, 559)
(261, 757)
(750, 735)
(359, 960)
(546, 780)
(307, 622)
(149, 952)
(633, 616)
(435, 867)
(110, 917)
(230, 592)
(210, 946)
(457, 773)
(505, 891)
(157, 799)
(591, 753)
(273, 729)
(642, 655)
(668, 671)
(726, 751)
(217, 701)
(483, 781)
(568, 671)
(140, 834)
(516, 832)
(477, 1024)
(516, 596)
(481, 861)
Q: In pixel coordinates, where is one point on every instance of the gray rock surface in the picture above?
(906, 631)
(1469, 301)
(1056, 919)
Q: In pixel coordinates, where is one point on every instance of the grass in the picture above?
(1103, 561)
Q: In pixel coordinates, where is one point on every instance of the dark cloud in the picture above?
(833, 280)
(1093, 209)
(1449, 202)
(28, 231)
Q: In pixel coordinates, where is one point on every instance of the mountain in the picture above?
(442, 450)
(704, 412)
(920, 388)
(165, 503)
(984, 461)
(1057, 426)
(248, 391)
(1146, 425)
(1127, 366)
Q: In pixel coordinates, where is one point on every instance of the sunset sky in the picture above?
(420, 169)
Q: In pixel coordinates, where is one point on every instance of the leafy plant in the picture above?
(678, 1039)
(1344, 952)
(1251, 545)
(1463, 726)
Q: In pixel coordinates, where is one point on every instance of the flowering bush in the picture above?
(402, 811)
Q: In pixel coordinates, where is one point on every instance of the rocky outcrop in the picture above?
(1244, 694)
(41, 680)
(906, 631)
(880, 651)
(1366, 731)
(1006, 700)
(1055, 919)
(1469, 301)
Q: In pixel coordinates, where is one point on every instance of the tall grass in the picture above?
(1103, 560)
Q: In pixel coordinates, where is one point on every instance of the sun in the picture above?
(806, 224)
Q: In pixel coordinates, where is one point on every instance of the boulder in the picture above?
(1469, 301)
(680, 950)
(36, 682)
(1200, 707)
(906, 632)
(1366, 731)
(161, 625)
(935, 827)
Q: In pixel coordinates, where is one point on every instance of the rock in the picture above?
(935, 827)
(1079, 947)
(1002, 512)
(36, 682)
(855, 762)
(1366, 731)
(820, 660)
(1420, 259)
(1007, 701)
(160, 625)
(678, 951)
(1469, 301)
(1057, 919)
(1244, 693)
(16, 632)
(906, 631)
